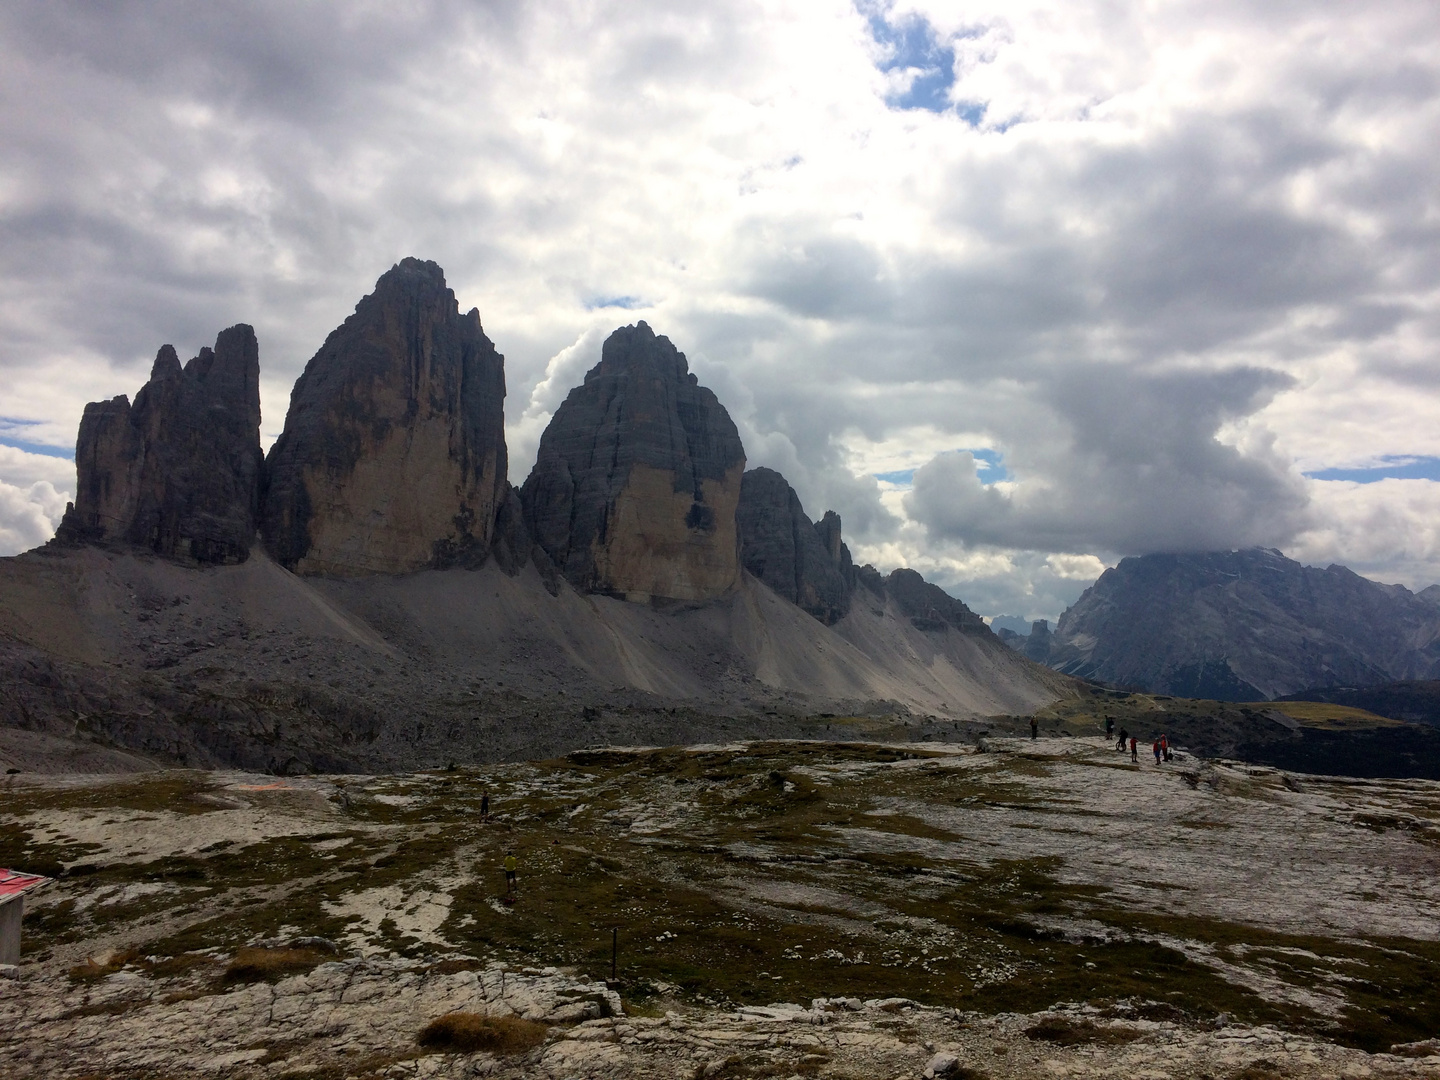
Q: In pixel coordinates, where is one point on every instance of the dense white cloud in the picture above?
(34, 489)
(1152, 262)
(1388, 530)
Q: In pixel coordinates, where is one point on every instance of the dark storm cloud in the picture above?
(1131, 466)
(302, 64)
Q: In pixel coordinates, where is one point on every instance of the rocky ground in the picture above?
(777, 909)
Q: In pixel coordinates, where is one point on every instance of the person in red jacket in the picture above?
(1134, 753)
(1156, 747)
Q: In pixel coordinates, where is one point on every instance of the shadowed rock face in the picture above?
(802, 561)
(928, 606)
(393, 454)
(178, 472)
(637, 479)
(1243, 625)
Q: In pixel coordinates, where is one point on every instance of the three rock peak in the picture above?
(393, 460)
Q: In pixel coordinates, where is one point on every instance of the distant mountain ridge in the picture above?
(1242, 626)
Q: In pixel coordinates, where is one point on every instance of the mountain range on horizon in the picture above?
(1245, 625)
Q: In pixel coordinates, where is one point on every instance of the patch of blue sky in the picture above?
(1389, 467)
(912, 45)
(989, 467)
(13, 431)
(900, 477)
(628, 303)
(973, 112)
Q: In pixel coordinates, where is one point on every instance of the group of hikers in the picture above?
(1160, 747)
(512, 864)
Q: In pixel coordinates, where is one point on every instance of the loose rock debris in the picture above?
(776, 910)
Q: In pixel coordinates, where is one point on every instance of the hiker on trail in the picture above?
(1164, 747)
(1124, 738)
(1134, 753)
(485, 806)
(1156, 747)
(511, 865)
(1109, 727)
(1034, 728)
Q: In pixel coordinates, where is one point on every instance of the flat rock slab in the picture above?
(365, 1015)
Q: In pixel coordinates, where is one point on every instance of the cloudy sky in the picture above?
(1017, 289)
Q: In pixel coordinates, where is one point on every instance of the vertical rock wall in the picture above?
(179, 472)
(637, 479)
(802, 561)
(393, 454)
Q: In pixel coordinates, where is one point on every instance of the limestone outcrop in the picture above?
(637, 479)
(393, 455)
(179, 471)
(801, 560)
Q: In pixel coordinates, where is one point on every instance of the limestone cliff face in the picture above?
(637, 480)
(178, 472)
(803, 561)
(393, 454)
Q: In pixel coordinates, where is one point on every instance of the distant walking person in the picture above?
(1156, 747)
(485, 806)
(1134, 752)
(1164, 748)
(511, 865)
(1034, 728)
(1109, 727)
(1124, 738)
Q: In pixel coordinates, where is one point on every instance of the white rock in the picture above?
(942, 1064)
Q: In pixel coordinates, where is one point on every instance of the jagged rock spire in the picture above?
(179, 472)
(393, 454)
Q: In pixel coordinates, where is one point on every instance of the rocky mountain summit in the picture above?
(927, 606)
(1242, 626)
(178, 472)
(393, 455)
(638, 476)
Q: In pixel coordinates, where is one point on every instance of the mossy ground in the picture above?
(781, 873)
(1086, 711)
